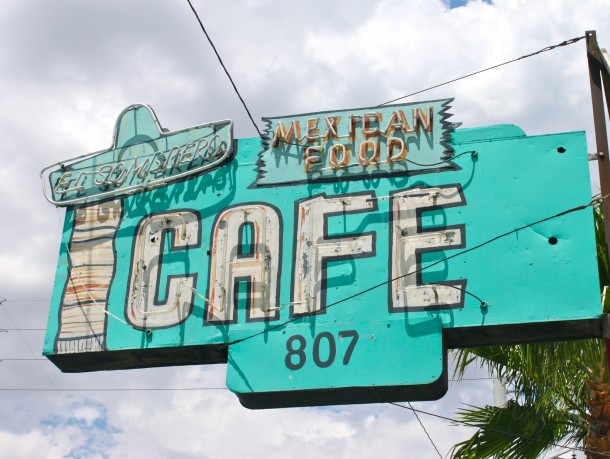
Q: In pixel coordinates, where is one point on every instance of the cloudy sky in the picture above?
(68, 68)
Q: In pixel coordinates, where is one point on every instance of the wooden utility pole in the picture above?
(597, 441)
(599, 77)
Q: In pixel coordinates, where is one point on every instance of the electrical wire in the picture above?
(543, 50)
(26, 301)
(540, 51)
(415, 411)
(419, 270)
(191, 389)
(483, 304)
(448, 160)
(124, 389)
(2, 330)
(154, 389)
(225, 69)
(469, 424)
(425, 431)
(61, 399)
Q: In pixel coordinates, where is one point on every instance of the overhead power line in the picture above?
(40, 365)
(469, 424)
(225, 69)
(2, 330)
(122, 389)
(24, 301)
(425, 431)
(540, 51)
(149, 389)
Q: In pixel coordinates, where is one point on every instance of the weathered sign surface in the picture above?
(333, 264)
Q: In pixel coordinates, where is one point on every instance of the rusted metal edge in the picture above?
(536, 332)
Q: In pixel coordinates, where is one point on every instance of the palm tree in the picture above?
(561, 394)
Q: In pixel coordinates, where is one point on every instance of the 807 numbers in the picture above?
(296, 345)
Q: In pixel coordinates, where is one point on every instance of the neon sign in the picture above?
(138, 160)
(357, 143)
(319, 282)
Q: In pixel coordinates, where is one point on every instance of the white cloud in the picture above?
(31, 444)
(216, 426)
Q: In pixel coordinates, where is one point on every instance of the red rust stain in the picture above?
(302, 220)
(256, 239)
(212, 295)
(366, 125)
(406, 127)
(216, 230)
(79, 287)
(332, 129)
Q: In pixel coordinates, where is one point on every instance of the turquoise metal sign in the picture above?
(325, 274)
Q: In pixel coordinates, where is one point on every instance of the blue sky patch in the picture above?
(457, 3)
(97, 434)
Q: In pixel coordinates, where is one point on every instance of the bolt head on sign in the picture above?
(332, 263)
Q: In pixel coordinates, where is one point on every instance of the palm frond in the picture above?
(510, 431)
